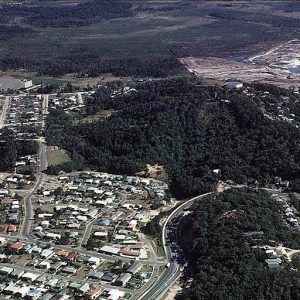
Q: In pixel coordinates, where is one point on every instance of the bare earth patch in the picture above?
(274, 66)
(154, 171)
(173, 291)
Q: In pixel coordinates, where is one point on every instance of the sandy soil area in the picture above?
(154, 171)
(174, 289)
(274, 66)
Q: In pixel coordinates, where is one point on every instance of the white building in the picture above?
(234, 85)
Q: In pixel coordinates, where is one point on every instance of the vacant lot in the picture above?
(56, 156)
(102, 115)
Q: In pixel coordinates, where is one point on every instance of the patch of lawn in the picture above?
(56, 156)
(48, 80)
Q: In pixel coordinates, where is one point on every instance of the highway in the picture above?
(173, 253)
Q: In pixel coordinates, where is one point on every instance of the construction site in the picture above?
(279, 66)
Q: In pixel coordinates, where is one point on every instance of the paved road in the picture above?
(4, 110)
(28, 215)
(88, 230)
(45, 104)
(173, 253)
(25, 228)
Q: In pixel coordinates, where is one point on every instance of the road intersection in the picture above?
(159, 282)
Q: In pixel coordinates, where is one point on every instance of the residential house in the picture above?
(93, 293)
(124, 278)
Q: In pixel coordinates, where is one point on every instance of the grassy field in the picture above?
(36, 79)
(56, 156)
(102, 115)
(48, 80)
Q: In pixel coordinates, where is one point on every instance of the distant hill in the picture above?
(126, 37)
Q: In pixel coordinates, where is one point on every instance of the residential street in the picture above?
(42, 159)
(4, 110)
(173, 272)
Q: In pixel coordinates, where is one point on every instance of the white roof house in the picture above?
(6, 270)
(124, 278)
(46, 253)
(53, 236)
(30, 276)
(14, 289)
(82, 218)
(110, 249)
(120, 237)
(100, 234)
(94, 260)
(115, 294)
(45, 265)
(3, 241)
(45, 224)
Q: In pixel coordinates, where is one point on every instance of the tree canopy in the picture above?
(185, 127)
(227, 264)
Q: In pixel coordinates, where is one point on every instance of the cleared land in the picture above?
(102, 115)
(277, 66)
(56, 156)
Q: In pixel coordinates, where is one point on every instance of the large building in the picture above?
(10, 83)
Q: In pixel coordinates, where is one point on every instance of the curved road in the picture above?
(173, 254)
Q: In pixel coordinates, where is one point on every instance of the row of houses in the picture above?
(50, 271)
(288, 211)
(24, 109)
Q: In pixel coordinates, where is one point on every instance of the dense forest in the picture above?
(187, 128)
(29, 20)
(53, 15)
(280, 21)
(225, 263)
(6, 31)
(90, 66)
